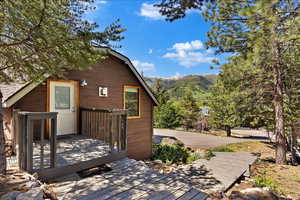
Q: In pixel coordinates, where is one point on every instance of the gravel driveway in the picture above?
(198, 140)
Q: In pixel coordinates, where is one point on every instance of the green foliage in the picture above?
(265, 38)
(193, 156)
(222, 149)
(173, 154)
(166, 116)
(208, 155)
(176, 9)
(39, 37)
(263, 181)
(190, 111)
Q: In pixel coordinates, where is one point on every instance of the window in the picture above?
(62, 97)
(132, 101)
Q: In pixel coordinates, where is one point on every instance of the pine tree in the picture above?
(190, 111)
(263, 33)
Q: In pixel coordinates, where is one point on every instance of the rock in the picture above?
(48, 192)
(10, 196)
(157, 162)
(32, 184)
(253, 194)
(33, 194)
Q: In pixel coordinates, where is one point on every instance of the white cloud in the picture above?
(176, 76)
(143, 66)
(103, 2)
(188, 46)
(150, 51)
(149, 11)
(189, 54)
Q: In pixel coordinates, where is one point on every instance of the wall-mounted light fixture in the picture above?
(83, 83)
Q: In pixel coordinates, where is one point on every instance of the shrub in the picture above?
(171, 154)
(208, 155)
(263, 181)
(193, 157)
(222, 149)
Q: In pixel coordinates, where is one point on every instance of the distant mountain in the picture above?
(198, 82)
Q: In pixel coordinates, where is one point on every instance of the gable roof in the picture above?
(135, 72)
(14, 92)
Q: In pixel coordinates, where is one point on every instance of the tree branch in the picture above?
(30, 31)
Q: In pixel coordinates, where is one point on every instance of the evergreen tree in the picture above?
(190, 111)
(264, 34)
(167, 116)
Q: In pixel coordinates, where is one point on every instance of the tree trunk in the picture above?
(2, 141)
(294, 144)
(228, 131)
(281, 146)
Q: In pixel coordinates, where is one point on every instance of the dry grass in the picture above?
(286, 177)
(264, 149)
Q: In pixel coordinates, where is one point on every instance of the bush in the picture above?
(171, 154)
(222, 149)
(208, 155)
(263, 181)
(193, 157)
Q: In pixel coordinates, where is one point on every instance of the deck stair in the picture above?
(128, 179)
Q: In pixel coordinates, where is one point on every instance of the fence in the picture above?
(110, 126)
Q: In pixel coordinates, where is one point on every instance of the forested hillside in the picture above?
(177, 86)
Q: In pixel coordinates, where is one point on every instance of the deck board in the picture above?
(129, 179)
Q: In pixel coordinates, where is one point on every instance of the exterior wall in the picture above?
(113, 74)
(35, 101)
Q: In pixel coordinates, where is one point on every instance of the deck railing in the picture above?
(25, 138)
(108, 125)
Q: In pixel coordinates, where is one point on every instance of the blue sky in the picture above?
(156, 47)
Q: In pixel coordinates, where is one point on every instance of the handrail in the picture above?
(107, 125)
(25, 138)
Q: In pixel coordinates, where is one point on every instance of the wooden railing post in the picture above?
(25, 138)
(29, 136)
(42, 143)
(53, 141)
(80, 122)
(22, 145)
(125, 131)
(111, 133)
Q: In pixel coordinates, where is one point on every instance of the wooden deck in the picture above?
(128, 179)
(70, 150)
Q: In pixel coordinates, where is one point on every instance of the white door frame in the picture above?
(76, 99)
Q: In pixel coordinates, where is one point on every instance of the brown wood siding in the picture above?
(35, 101)
(113, 74)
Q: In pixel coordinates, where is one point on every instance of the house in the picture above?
(111, 84)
